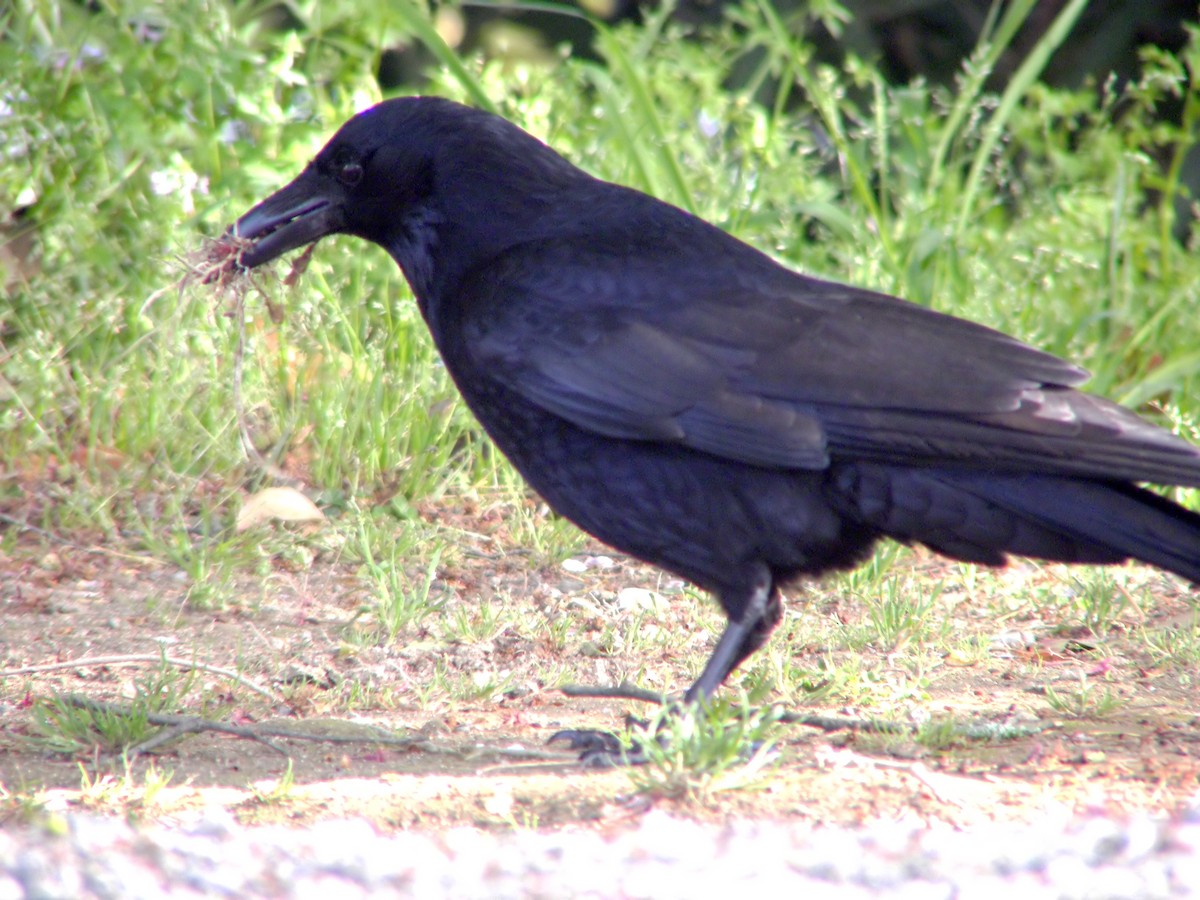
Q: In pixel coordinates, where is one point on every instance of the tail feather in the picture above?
(985, 516)
(1109, 517)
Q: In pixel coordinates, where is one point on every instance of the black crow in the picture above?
(686, 399)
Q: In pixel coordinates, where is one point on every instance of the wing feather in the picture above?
(777, 369)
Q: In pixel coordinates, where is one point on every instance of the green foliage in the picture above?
(398, 600)
(277, 791)
(60, 726)
(133, 128)
(1100, 600)
(133, 131)
(1088, 701)
(698, 751)
(897, 617)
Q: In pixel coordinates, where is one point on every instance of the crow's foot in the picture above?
(603, 749)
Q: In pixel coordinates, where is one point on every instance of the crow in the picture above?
(693, 403)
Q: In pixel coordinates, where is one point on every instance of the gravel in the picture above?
(662, 857)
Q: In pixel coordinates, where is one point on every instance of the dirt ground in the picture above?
(465, 766)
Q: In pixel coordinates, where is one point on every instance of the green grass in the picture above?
(703, 750)
(60, 727)
(1088, 700)
(1061, 246)
(134, 134)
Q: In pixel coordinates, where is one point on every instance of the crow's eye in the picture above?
(350, 173)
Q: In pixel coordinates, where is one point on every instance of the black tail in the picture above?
(1114, 518)
(982, 517)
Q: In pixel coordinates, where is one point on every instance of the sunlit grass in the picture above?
(1033, 211)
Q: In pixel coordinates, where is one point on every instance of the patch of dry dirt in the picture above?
(76, 602)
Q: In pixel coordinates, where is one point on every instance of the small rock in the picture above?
(632, 598)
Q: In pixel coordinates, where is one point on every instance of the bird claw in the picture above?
(597, 749)
(601, 749)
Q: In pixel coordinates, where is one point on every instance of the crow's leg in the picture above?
(744, 634)
(760, 611)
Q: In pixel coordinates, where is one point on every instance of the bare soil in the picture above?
(71, 601)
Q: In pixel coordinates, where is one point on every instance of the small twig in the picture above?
(130, 658)
(977, 731)
(998, 731)
(34, 529)
(840, 723)
(622, 691)
(627, 691)
(916, 768)
(25, 526)
(228, 264)
(478, 750)
(192, 726)
(176, 726)
(530, 761)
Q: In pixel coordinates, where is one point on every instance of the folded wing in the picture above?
(786, 371)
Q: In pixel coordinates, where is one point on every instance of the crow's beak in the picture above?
(306, 210)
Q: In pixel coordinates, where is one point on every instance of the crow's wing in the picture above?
(638, 381)
(765, 366)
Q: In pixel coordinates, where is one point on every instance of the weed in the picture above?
(59, 725)
(276, 791)
(697, 751)
(1087, 701)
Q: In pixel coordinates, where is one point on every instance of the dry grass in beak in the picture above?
(218, 262)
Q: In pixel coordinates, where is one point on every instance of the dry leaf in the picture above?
(282, 503)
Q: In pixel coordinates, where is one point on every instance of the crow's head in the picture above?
(416, 175)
